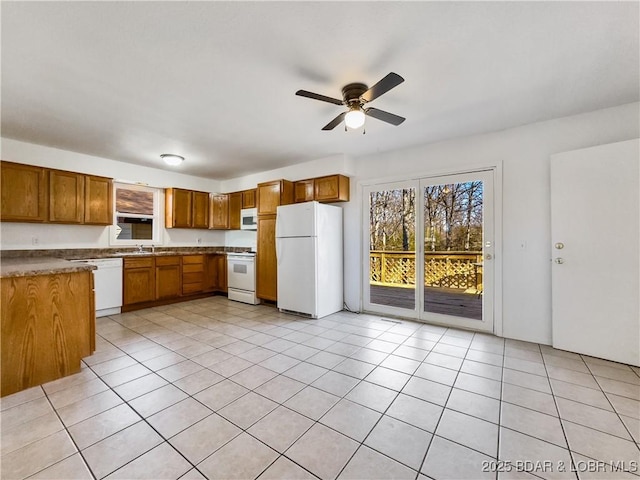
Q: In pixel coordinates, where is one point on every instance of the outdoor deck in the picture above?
(446, 301)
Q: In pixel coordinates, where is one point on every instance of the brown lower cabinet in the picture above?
(48, 326)
(192, 274)
(215, 273)
(139, 280)
(168, 278)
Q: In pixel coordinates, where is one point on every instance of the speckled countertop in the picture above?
(29, 267)
(22, 263)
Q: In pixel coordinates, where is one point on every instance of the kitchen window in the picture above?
(136, 215)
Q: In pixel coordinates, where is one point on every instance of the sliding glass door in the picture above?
(430, 249)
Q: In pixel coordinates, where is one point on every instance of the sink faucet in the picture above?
(140, 248)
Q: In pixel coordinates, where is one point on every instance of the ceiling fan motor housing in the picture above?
(351, 93)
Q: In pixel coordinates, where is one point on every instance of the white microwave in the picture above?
(249, 219)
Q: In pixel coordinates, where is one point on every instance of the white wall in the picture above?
(18, 236)
(524, 153)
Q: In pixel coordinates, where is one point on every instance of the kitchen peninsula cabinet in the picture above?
(138, 280)
(48, 326)
(168, 277)
(25, 196)
(186, 208)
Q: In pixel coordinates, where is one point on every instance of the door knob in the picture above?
(488, 256)
(559, 260)
(559, 245)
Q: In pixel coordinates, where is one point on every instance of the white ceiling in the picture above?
(215, 81)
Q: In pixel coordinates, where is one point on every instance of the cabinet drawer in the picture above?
(191, 268)
(195, 277)
(188, 259)
(171, 260)
(191, 288)
(132, 262)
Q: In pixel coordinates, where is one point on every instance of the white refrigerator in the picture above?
(309, 252)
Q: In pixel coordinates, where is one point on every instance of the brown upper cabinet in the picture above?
(331, 188)
(25, 195)
(272, 194)
(37, 194)
(249, 198)
(235, 205)
(66, 197)
(219, 208)
(303, 190)
(186, 208)
(98, 200)
(200, 210)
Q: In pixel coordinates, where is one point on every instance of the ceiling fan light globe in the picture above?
(354, 119)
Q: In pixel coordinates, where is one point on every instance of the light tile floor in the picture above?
(217, 389)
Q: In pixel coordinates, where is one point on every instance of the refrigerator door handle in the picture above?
(279, 251)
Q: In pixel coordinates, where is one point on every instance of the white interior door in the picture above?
(595, 211)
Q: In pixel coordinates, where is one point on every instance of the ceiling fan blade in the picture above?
(335, 122)
(317, 96)
(383, 86)
(384, 116)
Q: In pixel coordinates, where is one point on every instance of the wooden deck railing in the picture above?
(460, 270)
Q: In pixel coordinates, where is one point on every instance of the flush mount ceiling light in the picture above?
(171, 159)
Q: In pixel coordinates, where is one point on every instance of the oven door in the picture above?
(241, 273)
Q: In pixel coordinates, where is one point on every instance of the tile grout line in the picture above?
(560, 420)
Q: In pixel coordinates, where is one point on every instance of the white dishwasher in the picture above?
(107, 282)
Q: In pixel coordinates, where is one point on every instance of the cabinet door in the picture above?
(303, 191)
(200, 210)
(333, 188)
(24, 193)
(222, 273)
(98, 200)
(268, 198)
(249, 198)
(219, 212)
(178, 208)
(211, 266)
(139, 280)
(266, 262)
(66, 197)
(168, 277)
(235, 205)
